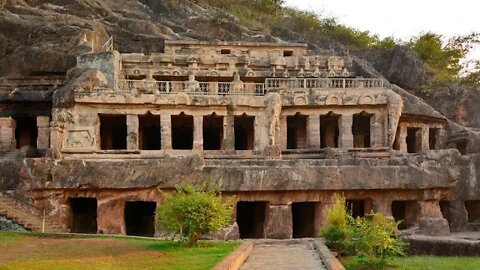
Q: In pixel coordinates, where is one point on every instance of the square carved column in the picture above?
(383, 207)
(166, 131)
(198, 132)
(7, 133)
(43, 127)
(424, 138)
(282, 136)
(228, 133)
(376, 131)
(132, 132)
(346, 135)
(402, 139)
(313, 131)
(431, 221)
(278, 223)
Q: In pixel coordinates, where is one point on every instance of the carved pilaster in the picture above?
(166, 131)
(198, 132)
(7, 133)
(132, 132)
(346, 135)
(313, 131)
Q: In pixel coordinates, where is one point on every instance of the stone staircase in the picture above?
(26, 215)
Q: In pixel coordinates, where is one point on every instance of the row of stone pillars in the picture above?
(429, 218)
(345, 124)
(8, 126)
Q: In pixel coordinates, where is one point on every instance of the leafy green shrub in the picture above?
(373, 239)
(193, 211)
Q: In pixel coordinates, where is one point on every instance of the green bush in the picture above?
(373, 240)
(194, 211)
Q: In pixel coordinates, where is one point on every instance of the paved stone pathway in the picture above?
(283, 255)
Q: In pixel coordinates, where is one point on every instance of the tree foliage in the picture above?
(373, 239)
(194, 211)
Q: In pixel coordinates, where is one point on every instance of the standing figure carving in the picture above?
(274, 109)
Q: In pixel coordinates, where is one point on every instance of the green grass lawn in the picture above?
(425, 263)
(36, 252)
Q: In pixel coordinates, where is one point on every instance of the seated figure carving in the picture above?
(192, 85)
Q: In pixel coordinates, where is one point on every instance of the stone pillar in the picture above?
(198, 132)
(346, 135)
(228, 133)
(7, 133)
(43, 129)
(383, 207)
(110, 216)
(431, 221)
(132, 132)
(402, 139)
(313, 131)
(283, 132)
(376, 134)
(320, 216)
(278, 223)
(424, 137)
(441, 138)
(166, 131)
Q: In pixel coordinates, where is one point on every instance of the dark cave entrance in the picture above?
(212, 132)
(140, 218)
(83, 218)
(244, 132)
(405, 211)
(26, 131)
(297, 131)
(361, 130)
(414, 139)
(113, 132)
(329, 130)
(182, 131)
(356, 208)
(303, 219)
(149, 132)
(251, 219)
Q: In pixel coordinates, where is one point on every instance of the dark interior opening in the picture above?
(182, 131)
(445, 209)
(113, 132)
(303, 219)
(356, 208)
(361, 130)
(405, 211)
(473, 210)
(26, 131)
(433, 138)
(329, 130)
(149, 132)
(225, 51)
(251, 219)
(244, 132)
(462, 147)
(414, 139)
(297, 131)
(212, 132)
(398, 213)
(83, 218)
(140, 218)
(287, 53)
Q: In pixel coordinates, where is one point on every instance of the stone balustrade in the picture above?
(242, 88)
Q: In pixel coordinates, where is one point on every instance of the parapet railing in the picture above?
(319, 83)
(193, 87)
(26, 204)
(242, 88)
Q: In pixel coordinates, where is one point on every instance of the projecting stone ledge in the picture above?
(439, 169)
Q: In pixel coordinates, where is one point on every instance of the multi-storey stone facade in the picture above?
(279, 127)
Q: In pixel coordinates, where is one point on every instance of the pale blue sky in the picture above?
(401, 19)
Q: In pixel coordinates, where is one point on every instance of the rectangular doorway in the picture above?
(251, 219)
(83, 215)
(140, 218)
(303, 219)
